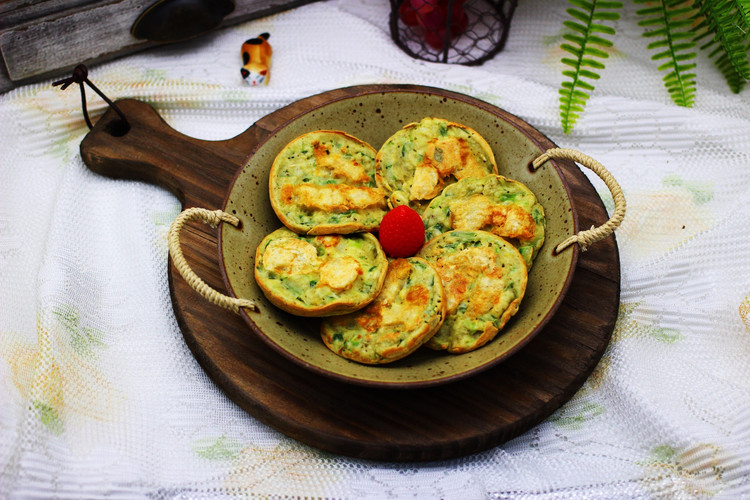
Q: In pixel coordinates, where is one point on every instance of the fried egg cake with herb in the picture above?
(491, 203)
(323, 182)
(484, 278)
(408, 311)
(418, 161)
(321, 275)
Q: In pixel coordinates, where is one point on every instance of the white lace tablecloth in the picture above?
(101, 398)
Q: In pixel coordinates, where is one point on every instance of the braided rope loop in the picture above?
(590, 236)
(213, 218)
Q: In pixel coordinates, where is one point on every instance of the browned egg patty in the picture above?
(407, 312)
(323, 182)
(491, 203)
(418, 161)
(484, 278)
(320, 275)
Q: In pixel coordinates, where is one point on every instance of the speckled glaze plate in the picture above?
(374, 118)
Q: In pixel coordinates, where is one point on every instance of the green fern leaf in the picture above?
(726, 26)
(744, 7)
(727, 68)
(586, 38)
(670, 23)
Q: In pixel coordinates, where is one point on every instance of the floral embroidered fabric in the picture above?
(100, 396)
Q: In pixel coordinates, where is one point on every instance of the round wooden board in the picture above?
(433, 423)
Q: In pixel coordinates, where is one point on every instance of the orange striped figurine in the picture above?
(256, 60)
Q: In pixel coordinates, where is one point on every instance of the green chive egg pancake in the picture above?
(323, 182)
(418, 161)
(484, 278)
(491, 203)
(407, 312)
(321, 275)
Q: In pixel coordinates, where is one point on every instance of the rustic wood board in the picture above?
(432, 423)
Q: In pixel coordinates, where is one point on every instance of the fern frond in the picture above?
(726, 25)
(735, 81)
(587, 38)
(744, 8)
(671, 22)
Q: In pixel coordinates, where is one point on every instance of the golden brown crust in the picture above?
(485, 280)
(491, 203)
(323, 182)
(301, 299)
(408, 311)
(417, 162)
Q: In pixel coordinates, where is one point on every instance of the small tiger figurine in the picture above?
(256, 60)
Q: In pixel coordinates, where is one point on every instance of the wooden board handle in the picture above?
(196, 171)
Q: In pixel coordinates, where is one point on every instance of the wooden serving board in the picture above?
(432, 423)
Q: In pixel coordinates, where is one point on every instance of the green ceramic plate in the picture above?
(373, 117)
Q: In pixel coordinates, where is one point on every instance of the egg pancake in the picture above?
(324, 275)
(484, 278)
(323, 182)
(492, 203)
(407, 312)
(418, 161)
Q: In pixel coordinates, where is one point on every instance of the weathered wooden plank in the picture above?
(64, 41)
(13, 13)
(54, 44)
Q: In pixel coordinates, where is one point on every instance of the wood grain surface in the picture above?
(433, 423)
(44, 38)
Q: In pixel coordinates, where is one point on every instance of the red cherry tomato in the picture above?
(430, 16)
(407, 13)
(401, 232)
(435, 39)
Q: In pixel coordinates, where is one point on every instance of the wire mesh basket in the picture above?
(467, 32)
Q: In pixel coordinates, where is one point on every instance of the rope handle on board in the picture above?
(590, 236)
(212, 217)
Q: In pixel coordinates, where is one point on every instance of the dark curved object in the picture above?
(484, 36)
(176, 20)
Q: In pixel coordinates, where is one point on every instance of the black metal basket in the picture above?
(467, 32)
